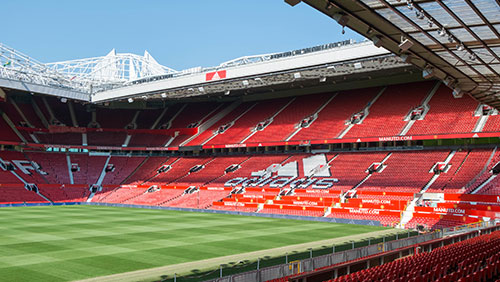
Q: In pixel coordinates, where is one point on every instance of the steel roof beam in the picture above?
(388, 37)
(474, 35)
(403, 16)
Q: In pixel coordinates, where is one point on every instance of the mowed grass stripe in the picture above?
(76, 242)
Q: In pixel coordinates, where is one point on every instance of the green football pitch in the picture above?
(64, 243)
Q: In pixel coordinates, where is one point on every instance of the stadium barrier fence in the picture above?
(313, 263)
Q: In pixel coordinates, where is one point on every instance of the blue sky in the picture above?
(178, 33)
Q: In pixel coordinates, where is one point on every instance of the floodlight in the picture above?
(457, 92)
(406, 44)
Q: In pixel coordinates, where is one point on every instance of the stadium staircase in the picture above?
(314, 114)
(196, 120)
(484, 176)
(386, 115)
(436, 175)
(206, 125)
(365, 111)
(154, 168)
(288, 119)
(223, 124)
(271, 120)
(484, 112)
(412, 117)
(126, 179)
(131, 125)
(223, 169)
(447, 115)
(168, 195)
(185, 172)
(379, 169)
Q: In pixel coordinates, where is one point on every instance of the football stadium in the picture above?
(356, 160)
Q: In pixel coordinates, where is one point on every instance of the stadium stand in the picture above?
(286, 121)
(147, 170)
(389, 121)
(243, 127)
(379, 185)
(200, 199)
(120, 167)
(332, 119)
(447, 115)
(475, 259)
(17, 194)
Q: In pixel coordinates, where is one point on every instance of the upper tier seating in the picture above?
(243, 127)
(7, 133)
(447, 114)
(332, 119)
(493, 124)
(386, 116)
(284, 123)
(116, 118)
(106, 138)
(62, 138)
(234, 114)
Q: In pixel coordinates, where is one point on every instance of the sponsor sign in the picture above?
(445, 210)
(364, 211)
(376, 201)
(215, 75)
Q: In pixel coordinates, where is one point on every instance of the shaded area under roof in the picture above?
(457, 41)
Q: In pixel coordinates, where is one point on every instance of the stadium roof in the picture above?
(455, 41)
(130, 77)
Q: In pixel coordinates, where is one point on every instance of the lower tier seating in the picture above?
(200, 199)
(17, 194)
(476, 259)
